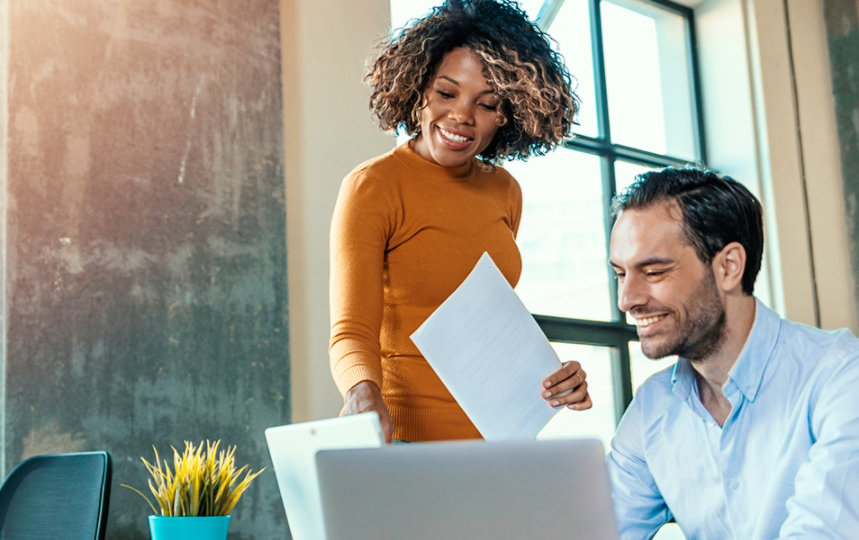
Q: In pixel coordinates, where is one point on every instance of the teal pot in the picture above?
(188, 528)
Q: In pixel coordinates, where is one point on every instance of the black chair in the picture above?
(56, 496)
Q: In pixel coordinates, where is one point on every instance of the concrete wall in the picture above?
(842, 28)
(145, 255)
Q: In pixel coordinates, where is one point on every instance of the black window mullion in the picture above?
(600, 89)
(609, 186)
(698, 117)
(673, 6)
(600, 147)
(622, 378)
(584, 332)
(620, 368)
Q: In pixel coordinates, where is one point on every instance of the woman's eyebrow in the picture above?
(454, 81)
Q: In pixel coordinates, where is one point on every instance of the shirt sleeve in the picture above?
(638, 504)
(825, 503)
(360, 228)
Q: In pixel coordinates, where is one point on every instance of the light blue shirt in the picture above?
(785, 464)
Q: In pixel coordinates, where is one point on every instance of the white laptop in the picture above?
(468, 490)
(293, 450)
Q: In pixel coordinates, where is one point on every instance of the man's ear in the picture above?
(729, 265)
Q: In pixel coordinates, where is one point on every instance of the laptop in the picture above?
(293, 450)
(468, 490)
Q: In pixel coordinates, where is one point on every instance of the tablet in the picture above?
(293, 450)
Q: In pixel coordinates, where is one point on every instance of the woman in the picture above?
(472, 83)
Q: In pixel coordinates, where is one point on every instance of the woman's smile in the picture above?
(452, 139)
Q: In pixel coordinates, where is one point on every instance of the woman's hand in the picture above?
(365, 397)
(567, 387)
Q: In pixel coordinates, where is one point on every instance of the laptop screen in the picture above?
(473, 490)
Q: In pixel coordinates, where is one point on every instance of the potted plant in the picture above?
(196, 497)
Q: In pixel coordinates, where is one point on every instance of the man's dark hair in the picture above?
(716, 210)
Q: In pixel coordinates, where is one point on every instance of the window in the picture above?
(635, 66)
(634, 62)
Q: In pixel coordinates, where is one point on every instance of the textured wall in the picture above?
(146, 257)
(842, 28)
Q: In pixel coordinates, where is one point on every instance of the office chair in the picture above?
(57, 496)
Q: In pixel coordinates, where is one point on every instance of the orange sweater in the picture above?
(404, 234)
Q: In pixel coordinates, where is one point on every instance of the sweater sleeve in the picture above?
(360, 228)
(515, 206)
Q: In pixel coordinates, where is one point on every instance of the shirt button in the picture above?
(733, 484)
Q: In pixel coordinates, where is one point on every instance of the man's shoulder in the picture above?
(818, 344)
(783, 338)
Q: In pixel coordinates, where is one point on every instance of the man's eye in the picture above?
(654, 273)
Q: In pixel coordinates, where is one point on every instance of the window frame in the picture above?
(617, 333)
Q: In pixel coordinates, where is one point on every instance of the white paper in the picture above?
(488, 350)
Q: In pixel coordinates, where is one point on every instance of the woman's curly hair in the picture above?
(519, 63)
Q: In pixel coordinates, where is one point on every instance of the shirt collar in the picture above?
(749, 368)
(682, 378)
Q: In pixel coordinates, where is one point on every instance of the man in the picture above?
(754, 432)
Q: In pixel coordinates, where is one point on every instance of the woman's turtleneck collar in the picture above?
(428, 168)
